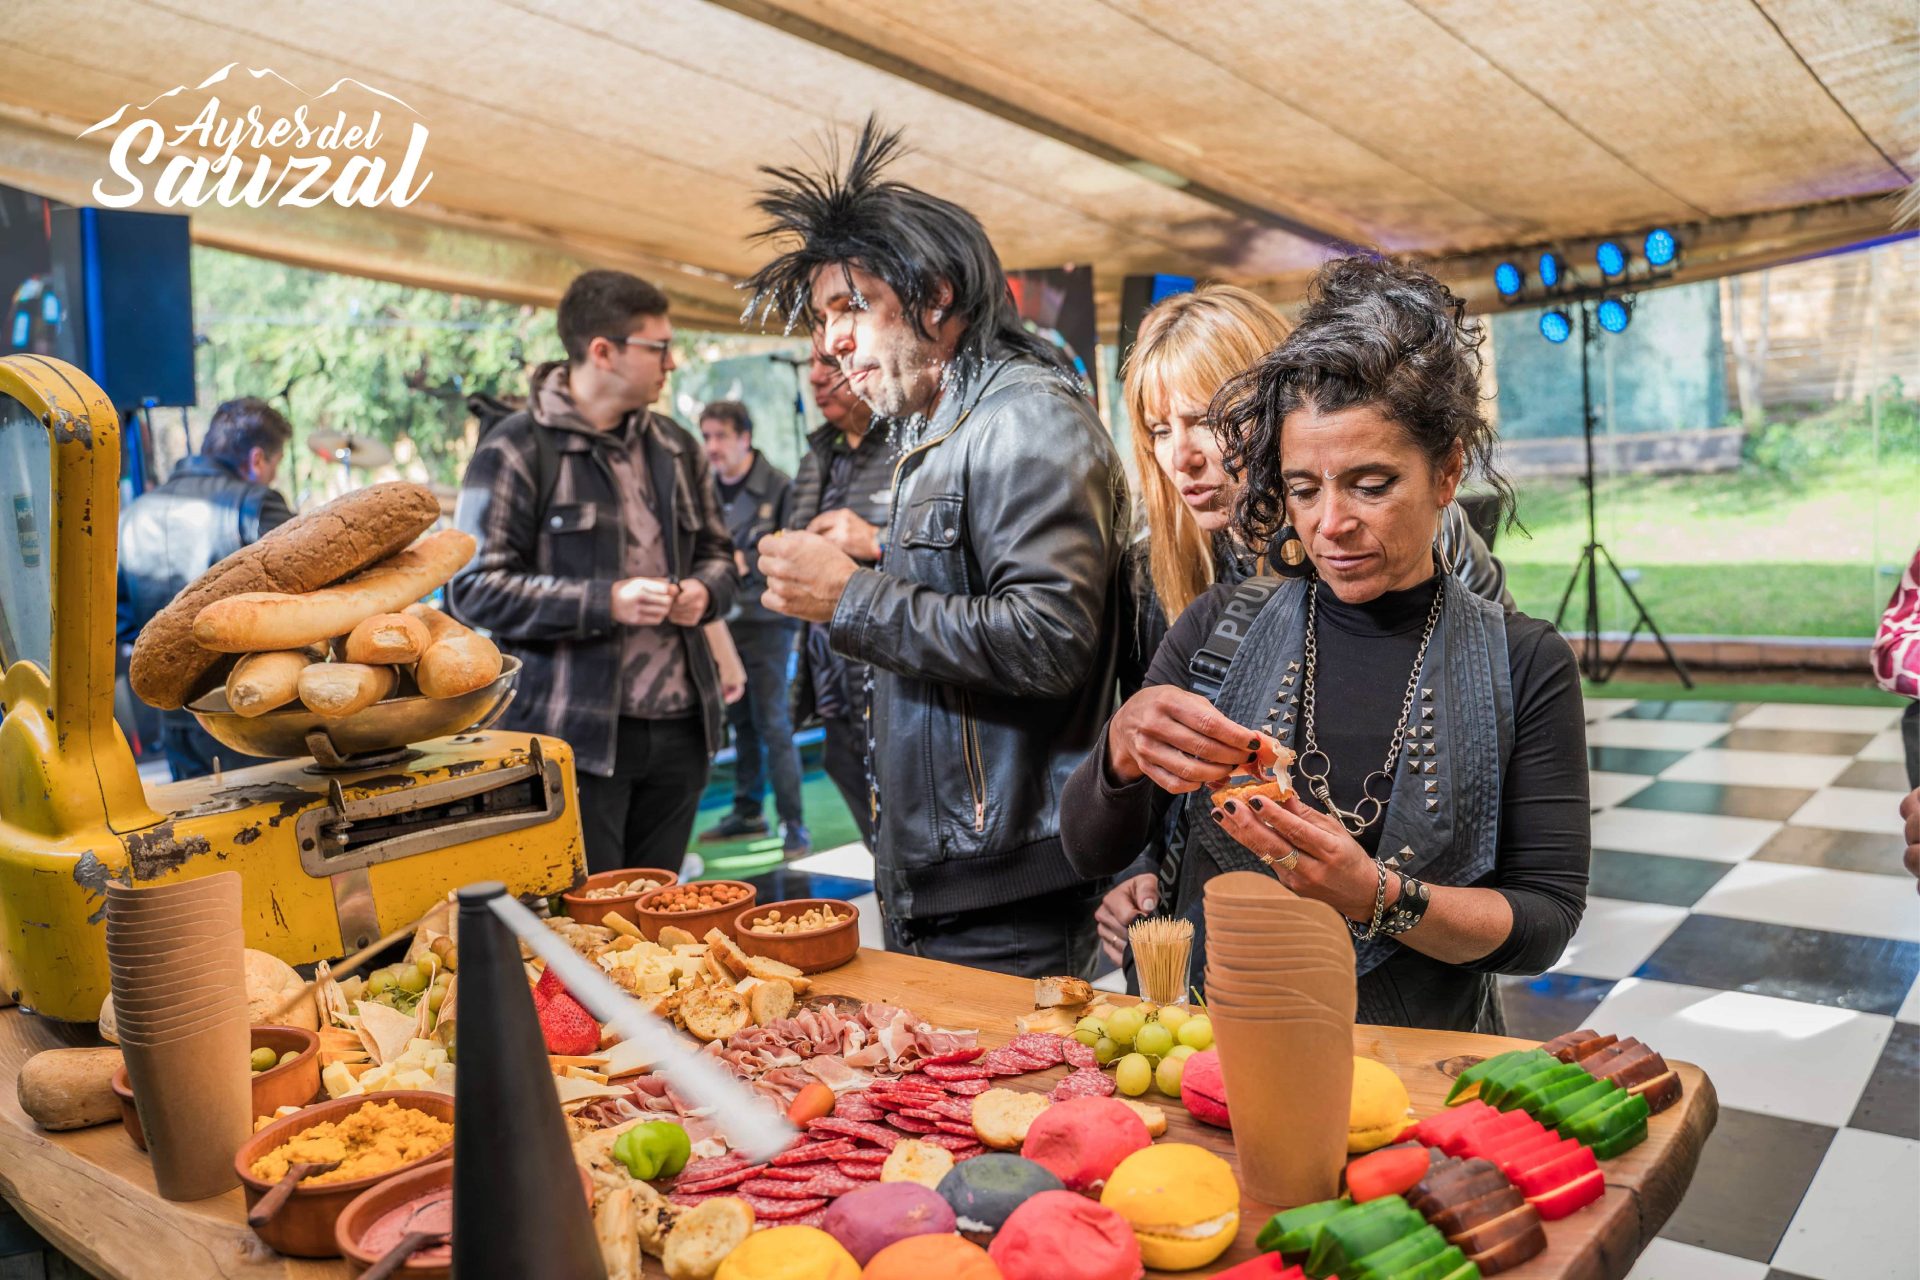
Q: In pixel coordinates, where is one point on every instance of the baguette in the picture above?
(308, 552)
(388, 638)
(256, 620)
(337, 689)
(260, 682)
(457, 660)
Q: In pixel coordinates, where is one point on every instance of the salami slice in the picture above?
(784, 1210)
(691, 1198)
(958, 1055)
(953, 1109)
(968, 1088)
(965, 1071)
(863, 1155)
(834, 1183)
(1078, 1055)
(1040, 1044)
(859, 1113)
(813, 1152)
(1004, 1062)
(811, 1218)
(863, 1172)
(771, 1189)
(876, 1134)
(713, 1166)
(922, 1113)
(719, 1181)
(790, 1173)
(951, 1141)
(906, 1122)
(1084, 1083)
(958, 1127)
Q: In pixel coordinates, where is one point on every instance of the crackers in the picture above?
(1001, 1116)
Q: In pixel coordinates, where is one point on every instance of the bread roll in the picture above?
(70, 1088)
(308, 552)
(259, 682)
(256, 620)
(390, 638)
(458, 661)
(337, 689)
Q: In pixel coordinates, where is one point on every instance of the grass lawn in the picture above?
(1746, 553)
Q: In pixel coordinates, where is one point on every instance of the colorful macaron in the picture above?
(868, 1219)
(1058, 1235)
(1379, 1108)
(1082, 1140)
(1204, 1089)
(932, 1258)
(1182, 1202)
(789, 1253)
(985, 1190)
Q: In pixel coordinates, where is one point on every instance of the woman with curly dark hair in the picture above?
(1441, 743)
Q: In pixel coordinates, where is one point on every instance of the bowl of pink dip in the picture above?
(418, 1200)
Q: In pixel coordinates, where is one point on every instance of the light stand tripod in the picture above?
(1593, 553)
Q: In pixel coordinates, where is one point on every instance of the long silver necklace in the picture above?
(1313, 764)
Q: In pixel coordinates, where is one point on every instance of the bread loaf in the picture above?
(337, 689)
(259, 620)
(457, 661)
(306, 553)
(390, 638)
(70, 1088)
(259, 682)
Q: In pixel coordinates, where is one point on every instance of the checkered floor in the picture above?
(1748, 913)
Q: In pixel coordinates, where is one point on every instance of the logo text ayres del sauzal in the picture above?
(316, 153)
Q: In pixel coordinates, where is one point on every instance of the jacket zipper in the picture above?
(971, 754)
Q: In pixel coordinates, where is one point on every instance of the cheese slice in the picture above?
(624, 1059)
(575, 1091)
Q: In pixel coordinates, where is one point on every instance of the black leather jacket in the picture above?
(992, 625)
(175, 532)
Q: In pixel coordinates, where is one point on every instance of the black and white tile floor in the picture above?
(1748, 913)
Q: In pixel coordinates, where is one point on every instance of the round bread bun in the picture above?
(1379, 1108)
(109, 1026)
(1182, 1202)
(308, 552)
(271, 982)
(1082, 1140)
(1058, 1235)
(1204, 1089)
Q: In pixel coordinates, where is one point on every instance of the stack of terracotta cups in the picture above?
(1280, 990)
(175, 954)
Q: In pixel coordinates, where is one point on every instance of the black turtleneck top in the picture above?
(1366, 654)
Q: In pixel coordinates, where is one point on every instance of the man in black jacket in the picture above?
(754, 495)
(216, 502)
(843, 491)
(990, 620)
(602, 553)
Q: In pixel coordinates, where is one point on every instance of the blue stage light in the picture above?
(1550, 270)
(1611, 258)
(1661, 247)
(1554, 326)
(1613, 315)
(1507, 279)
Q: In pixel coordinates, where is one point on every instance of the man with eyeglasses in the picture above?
(602, 554)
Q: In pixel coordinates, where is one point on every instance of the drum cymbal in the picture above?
(355, 451)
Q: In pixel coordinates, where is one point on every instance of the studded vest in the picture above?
(1442, 822)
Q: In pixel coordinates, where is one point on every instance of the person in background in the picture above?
(991, 621)
(842, 491)
(1896, 666)
(602, 555)
(754, 497)
(215, 502)
(1187, 349)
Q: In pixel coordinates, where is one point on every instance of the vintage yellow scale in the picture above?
(364, 831)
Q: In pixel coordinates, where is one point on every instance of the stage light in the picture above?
(1661, 247)
(1550, 270)
(1611, 258)
(1554, 326)
(1613, 315)
(1507, 279)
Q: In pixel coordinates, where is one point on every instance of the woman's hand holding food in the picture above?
(1332, 867)
(1177, 739)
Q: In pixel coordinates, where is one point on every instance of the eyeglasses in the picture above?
(659, 346)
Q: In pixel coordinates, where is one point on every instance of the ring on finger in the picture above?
(1285, 861)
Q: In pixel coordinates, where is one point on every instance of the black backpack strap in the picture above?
(1206, 673)
(546, 469)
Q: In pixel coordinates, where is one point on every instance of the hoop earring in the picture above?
(1447, 563)
(1287, 554)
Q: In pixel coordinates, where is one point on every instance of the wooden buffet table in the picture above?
(92, 1194)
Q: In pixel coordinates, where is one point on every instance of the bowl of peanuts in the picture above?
(811, 934)
(697, 906)
(610, 891)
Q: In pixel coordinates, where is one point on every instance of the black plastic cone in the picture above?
(518, 1208)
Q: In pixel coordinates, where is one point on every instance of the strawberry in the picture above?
(565, 1024)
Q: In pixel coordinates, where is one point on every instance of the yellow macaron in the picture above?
(1182, 1202)
(789, 1253)
(1379, 1110)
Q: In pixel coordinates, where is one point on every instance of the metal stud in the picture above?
(1432, 806)
(1287, 682)
(1393, 864)
(1426, 713)
(1426, 695)
(1430, 785)
(1293, 666)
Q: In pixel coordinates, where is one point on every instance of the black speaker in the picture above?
(128, 278)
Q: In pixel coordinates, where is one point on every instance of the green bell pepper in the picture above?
(657, 1149)
(1294, 1231)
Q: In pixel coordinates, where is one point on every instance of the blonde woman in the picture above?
(1187, 349)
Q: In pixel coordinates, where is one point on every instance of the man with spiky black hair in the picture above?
(989, 621)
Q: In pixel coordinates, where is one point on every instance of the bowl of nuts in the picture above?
(696, 906)
(811, 934)
(614, 891)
